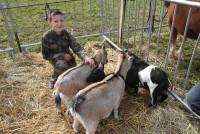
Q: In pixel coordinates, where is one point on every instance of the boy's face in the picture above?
(57, 23)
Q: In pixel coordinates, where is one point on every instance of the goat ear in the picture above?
(103, 47)
(94, 50)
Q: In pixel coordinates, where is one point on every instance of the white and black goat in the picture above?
(149, 76)
(76, 78)
(98, 100)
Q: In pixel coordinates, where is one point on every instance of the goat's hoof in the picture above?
(119, 118)
(151, 105)
(75, 131)
(67, 112)
(69, 116)
(59, 111)
(54, 93)
(116, 117)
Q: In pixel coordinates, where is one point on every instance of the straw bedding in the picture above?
(27, 105)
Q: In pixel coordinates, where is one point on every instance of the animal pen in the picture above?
(22, 24)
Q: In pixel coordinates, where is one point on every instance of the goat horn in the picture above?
(102, 44)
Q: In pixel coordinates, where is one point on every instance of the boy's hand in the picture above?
(90, 62)
(67, 57)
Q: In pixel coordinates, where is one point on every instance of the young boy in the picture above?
(55, 47)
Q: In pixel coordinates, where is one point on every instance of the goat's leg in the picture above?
(58, 101)
(163, 97)
(68, 116)
(155, 99)
(154, 96)
(116, 113)
(116, 108)
(162, 89)
(75, 125)
(91, 127)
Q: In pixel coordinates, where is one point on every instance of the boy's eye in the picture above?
(55, 21)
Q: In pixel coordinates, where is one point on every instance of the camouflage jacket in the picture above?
(53, 44)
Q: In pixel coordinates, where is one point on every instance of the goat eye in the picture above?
(131, 58)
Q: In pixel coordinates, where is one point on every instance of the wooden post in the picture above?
(121, 21)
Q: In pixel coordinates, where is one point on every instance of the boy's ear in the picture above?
(49, 22)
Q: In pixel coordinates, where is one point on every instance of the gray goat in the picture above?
(74, 79)
(98, 100)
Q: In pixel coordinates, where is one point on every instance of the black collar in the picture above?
(121, 76)
(95, 62)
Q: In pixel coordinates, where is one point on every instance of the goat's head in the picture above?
(130, 58)
(124, 63)
(134, 58)
(101, 55)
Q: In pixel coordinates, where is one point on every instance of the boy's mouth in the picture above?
(59, 27)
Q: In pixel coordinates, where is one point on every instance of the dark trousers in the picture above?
(60, 65)
(193, 98)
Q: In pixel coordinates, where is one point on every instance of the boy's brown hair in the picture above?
(53, 13)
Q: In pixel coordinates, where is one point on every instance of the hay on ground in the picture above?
(27, 105)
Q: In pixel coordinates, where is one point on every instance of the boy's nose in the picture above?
(59, 24)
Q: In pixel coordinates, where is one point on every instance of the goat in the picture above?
(151, 77)
(76, 78)
(98, 100)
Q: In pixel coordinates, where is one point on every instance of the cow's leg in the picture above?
(179, 53)
(172, 52)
